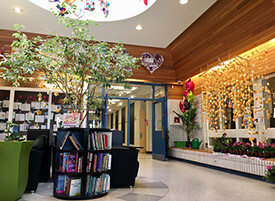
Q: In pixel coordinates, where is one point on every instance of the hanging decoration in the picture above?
(62, 9)
(105, 9)
(188, 96)
(234, 85)
(145, 2)
(88, 5)
(150, 62)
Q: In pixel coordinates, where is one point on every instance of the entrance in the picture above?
(140, 112)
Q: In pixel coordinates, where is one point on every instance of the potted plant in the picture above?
(189, 123)
(76, 64)
(14, 160)
(270, 174)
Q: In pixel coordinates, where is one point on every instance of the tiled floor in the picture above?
(179, 181)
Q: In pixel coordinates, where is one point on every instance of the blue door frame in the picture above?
(159, 134)
(153, 99)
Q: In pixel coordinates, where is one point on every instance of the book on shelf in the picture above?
(100, 140)
(74, 187)
(67, 185)
(75, 142)
(89, 162)
(99, 162)
(69, 162)
(60, 184)
(64, 140)
(79, 166)
(97, 185)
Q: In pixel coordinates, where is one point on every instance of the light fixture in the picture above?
(139, 27)
(183, 1)
(132, 96)
(110, 110)
(17, 10)
(120, 104)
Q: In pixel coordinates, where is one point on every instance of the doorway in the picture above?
(134, 110)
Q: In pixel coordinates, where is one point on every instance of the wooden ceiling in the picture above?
(229, 27)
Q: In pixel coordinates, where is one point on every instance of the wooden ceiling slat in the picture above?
(228, 27)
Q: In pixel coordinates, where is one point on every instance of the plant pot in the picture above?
(180, 144)
(14, 160)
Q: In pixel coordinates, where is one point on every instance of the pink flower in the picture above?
(268, 167)
(273, 144)
(235, 144)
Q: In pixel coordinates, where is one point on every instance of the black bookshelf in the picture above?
(83, 136)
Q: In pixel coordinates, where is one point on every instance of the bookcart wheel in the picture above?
(82, 163)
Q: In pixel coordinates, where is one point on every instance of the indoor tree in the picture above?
(76, 64)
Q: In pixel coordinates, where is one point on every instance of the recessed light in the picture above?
(183, 1)
(139, 27)
(17, 10)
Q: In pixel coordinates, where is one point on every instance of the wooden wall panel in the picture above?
(260, 67)
(165, 74)
(229, 27)
(174, 91)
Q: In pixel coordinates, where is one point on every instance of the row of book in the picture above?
(67, 185)
(97, 185)
(100, 141)
(99, 162)
(70, 162)
(73, 140)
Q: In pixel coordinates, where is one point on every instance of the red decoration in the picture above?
(146, 2)
(190, 86)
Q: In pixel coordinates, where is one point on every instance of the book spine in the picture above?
(60, 162)
(74, 143)
(106, 141)
(64, 140)
(109, 141)
(95, 162)
(109, 161)
(99, 162)
(77, 142)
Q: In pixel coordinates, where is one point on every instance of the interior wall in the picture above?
(165, 74)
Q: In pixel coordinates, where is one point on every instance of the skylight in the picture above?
(99, 10)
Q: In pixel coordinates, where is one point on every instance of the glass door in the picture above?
(159, 129)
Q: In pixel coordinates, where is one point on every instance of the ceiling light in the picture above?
(132, 96)
(110, 110)
(139, 27)
(17, 10)
(183, 1)
(120, 104)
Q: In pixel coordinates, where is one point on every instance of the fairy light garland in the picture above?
(232, 86)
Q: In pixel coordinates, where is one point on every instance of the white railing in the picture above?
(251, 165)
